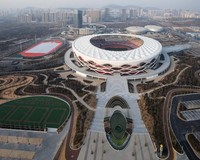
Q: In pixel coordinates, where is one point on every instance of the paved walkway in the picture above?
(16, 154)
(96, 147)
(21, 140)
(117, 86)
(50, 142)
(176, 48)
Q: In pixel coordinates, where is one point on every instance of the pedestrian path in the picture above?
(117, 86)
(96, 147)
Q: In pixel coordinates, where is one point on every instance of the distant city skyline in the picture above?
(174, 4)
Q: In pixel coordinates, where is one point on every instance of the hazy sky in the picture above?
(182, 4)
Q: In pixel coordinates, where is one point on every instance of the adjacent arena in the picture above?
(145, 29)
(136, 30)
(117, 53)
(42, 49)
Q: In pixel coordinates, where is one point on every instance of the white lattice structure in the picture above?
(122, 53)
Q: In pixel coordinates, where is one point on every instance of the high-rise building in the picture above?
(123, 15)
(87, 19)
(131, 14)
(107, 14)
(63, 18)
(53, 17)
(45, 17)
(78, 19)
(24, 18)
(155, 12)
(95, 15)
(140, 12)
(135, 12)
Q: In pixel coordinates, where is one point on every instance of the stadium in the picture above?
(117, 53)
(154, 28)
(42, 49)
(145, 29)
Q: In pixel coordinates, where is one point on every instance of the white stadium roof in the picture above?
(154, 28)
(149, 49)
(136, 29)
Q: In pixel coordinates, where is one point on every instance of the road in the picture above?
(166, 128)
(70, 153)
(180, 127)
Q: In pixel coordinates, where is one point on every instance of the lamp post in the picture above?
(161, 150)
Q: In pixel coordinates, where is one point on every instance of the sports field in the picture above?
(37, 113)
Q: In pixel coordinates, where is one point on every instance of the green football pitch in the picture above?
(37, 112)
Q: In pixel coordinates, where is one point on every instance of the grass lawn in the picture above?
(4, 111)
(118, 142)
(53, 116)
(19, 114)
(36, 111)
(37, 115)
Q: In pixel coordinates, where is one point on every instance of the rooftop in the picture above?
(148, 49)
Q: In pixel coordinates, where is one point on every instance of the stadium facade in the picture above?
(117, 53)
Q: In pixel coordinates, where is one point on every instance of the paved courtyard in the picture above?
(19, 144)
(117, 86)
(96, 147)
